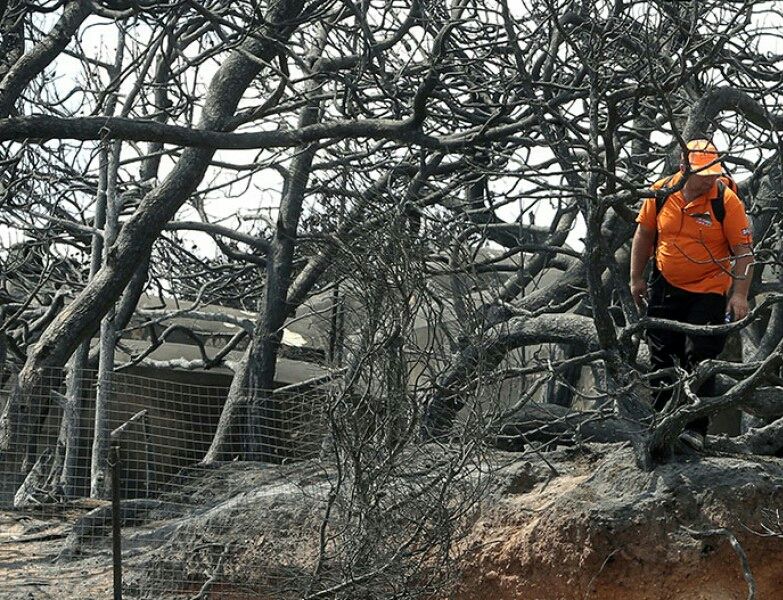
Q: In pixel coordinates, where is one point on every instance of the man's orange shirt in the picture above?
(694, 250)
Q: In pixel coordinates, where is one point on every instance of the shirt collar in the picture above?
(703, 199)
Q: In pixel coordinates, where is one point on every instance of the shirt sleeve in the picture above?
(647, 216)
(735, 224)
(648, 213)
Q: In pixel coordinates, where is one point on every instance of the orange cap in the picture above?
(704, 158)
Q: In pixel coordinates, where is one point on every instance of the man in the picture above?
(692, 278)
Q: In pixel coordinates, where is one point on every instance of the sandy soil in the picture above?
(29, 545)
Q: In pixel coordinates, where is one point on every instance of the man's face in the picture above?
(696, 185)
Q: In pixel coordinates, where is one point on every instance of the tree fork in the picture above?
(79, 320)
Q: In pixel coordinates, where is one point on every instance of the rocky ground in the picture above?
(576, 524)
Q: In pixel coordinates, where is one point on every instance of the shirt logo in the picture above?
(702, 218)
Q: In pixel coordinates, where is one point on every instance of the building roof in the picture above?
(309, 328)
(181, 356)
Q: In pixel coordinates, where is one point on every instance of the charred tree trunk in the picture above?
(80, 319)
(78, 364)
(99, 466)
(559, 390)
(18, 74)
(226, 441)
(267, 438)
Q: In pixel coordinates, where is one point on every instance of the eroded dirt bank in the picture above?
(603, 529)
(587, 525)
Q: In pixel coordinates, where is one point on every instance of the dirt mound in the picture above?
(603, 529)
(259, 538)
(576, 524)
(582, 523)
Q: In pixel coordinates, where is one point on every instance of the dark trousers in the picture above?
(670, 348)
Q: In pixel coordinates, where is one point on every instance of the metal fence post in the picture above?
(114, 462)
(116, 517)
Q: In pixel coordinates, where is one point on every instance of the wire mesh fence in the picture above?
(328, 496)
(163, 430)
(175, 425)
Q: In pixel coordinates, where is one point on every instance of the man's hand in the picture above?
(639, 292)
(737, 307)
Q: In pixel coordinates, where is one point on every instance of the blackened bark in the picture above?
(558, 390)
(41, 55)
(79, 320)
(485, 355)
(226, 441)
(266, 439)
